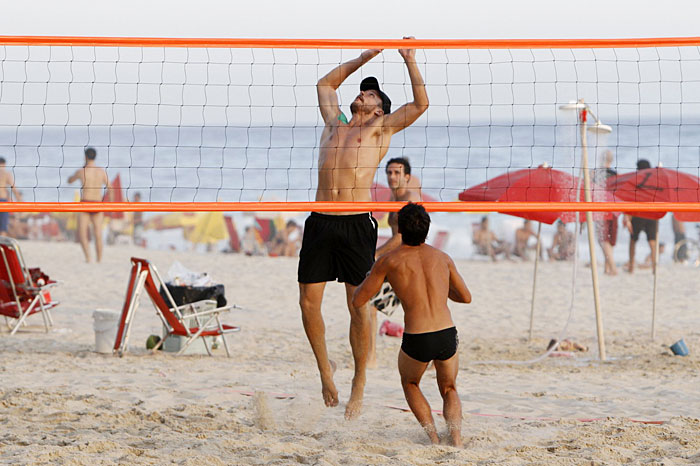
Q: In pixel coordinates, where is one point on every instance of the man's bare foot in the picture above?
(432, 434)
(328, 390)
(354, 406)
(330, 395)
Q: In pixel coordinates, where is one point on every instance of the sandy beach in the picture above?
(63, 403)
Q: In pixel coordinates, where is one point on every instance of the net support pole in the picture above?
(591, 238)
(534, 280)
(656, 273)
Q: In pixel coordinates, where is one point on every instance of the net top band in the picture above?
(348, 43)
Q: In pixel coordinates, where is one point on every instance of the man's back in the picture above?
(420, 276)
(94, 179)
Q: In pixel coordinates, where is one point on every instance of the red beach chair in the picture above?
(23, 291)
(144, 275)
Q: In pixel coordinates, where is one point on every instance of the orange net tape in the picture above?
(348, 206)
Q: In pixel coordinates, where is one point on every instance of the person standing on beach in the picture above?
(637, 225)
(93, 180)
(7, 188)
(341, 245)
(424, 278)
(607, 228)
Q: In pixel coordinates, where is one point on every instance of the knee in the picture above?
(409, 383)
(358, 312)
(447, 389)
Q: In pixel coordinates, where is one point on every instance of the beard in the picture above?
(355, 107)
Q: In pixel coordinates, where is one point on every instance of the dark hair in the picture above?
(642, 164)
(484, 219)
(403, 161)
(414, 223)
(90, 153)
(291, 223)
(2, 160)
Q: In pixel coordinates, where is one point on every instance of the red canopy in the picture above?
(117, 195)
(657, 185)
(541, 184)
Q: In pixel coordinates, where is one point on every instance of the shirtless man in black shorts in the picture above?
(423, 278)
(637, 225)
(341, 245)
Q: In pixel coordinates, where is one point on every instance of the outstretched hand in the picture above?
(408, 54)
(371, 53)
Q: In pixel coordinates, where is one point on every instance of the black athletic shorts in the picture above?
(337, 247)
(646, 225)
(426, 347)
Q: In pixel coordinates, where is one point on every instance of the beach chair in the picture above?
(23, 291)
(176, 319)
(234, 241)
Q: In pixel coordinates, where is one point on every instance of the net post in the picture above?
(591, 238)
(534, 280)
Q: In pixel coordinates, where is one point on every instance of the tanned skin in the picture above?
(348, 159)
(93, 180)
(423, 278)
(403, 188)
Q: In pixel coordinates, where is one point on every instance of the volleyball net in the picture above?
(234, 125)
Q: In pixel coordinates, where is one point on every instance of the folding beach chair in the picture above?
(145, 276)
(23, 291)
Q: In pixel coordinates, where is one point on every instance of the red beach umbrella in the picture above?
(541, 184)
(117, 195)
(657, 185)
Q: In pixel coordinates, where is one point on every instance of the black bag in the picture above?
(190, 294)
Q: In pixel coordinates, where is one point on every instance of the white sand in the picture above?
(62, 403)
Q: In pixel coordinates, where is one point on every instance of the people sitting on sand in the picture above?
(286, 242)
(18, 226)
(563, 244)
(486, 242)
(522, 239)
(251, 244)
(566, 345)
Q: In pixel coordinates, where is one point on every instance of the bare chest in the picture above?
(348, 147)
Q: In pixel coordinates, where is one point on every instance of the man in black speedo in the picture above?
(423, 278)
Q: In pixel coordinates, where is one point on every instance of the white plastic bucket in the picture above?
(105, 325)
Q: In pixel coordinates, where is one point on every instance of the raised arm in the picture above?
(327, 85)
(408, 113)
(370, 285)
(458, 289)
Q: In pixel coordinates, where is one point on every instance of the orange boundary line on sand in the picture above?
(350, 43)
(347, 206)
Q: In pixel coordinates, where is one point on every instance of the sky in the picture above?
(363, 19)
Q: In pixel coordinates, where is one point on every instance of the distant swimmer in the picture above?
(423, 278)
(93, 180)
(7, 188)
(341, 245)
